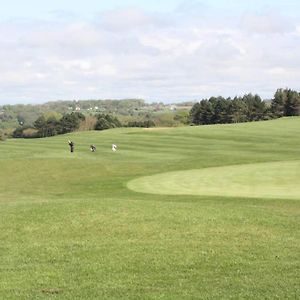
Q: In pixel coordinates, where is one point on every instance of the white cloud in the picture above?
(126, 53)
(124, 20)
(270, 22)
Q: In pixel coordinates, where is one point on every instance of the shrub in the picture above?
(145, 124)
(2, 136)
(25, 132)
(30, 133)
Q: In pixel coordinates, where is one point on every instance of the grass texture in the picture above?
(211, 212)
(259, 180)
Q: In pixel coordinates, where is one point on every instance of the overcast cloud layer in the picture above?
(194, 51)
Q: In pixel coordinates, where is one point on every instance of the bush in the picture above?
(30, 133)
(18, 132)
(144, 124)
(25, 132)
(2, 136)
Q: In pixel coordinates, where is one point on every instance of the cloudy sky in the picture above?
(158, 50)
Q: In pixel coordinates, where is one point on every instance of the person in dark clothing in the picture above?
(93, 148)
(71, 144)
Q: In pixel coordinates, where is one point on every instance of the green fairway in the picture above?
(208, 212)
(267, 180)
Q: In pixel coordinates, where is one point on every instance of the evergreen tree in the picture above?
(278, 103)
(292, 104)
(237, 111)
(70, 122)
(41, 125)
(256, 107)
(286, 102)
(194, 115)
(106, 122)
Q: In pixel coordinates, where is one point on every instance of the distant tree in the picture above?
(70, 122)
(256, 107)
(113, 121)
(182, 117)
(143, 124)
(286, 102)
(2, 135)
(53, 126)
(278, 103)
(21, 119)
(194, 115)
(88, 124)
(219, 107)
(292, 104)
(207, 112)
(218, 110)
(237, 111)
(50, 124)
(47, 127)
(148, 123)
(203, 113)
(103, 124)
(25, 132)
(164, 119)
(105, 121)
(6, 116)
(40, 124)
(53, 115)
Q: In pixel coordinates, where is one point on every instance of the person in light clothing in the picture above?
(114, 147)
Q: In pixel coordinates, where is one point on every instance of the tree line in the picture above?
(12, 116)
(53, 123)
(134, 111)
(215, 110)
(286, 103)
(218, 110)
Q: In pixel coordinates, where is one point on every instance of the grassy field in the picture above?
(258, 180)
(209, 212)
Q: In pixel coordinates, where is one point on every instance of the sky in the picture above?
(158, 50)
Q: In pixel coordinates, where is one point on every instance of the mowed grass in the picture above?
(71, 229)
(266, 180)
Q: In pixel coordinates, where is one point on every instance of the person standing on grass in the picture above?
(114, 147)
(71, 144)
(93, 148)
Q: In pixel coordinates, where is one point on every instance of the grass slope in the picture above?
(71, 229)
(259, 180)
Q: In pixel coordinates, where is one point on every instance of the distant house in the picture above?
(77, 108)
